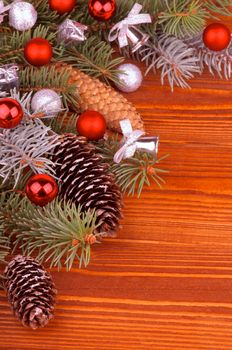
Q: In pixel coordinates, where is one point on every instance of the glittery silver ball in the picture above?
(22, 16)
(131, 79)
(46, 101)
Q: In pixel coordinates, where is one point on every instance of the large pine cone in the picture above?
(97, 96)
(87, 182)
(30, 290)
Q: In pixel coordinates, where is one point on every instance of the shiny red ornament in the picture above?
(92, 125)
(38, 52)
(62, 6)
(102, 10)
(11, 113)
(216, 36)
(41, 189)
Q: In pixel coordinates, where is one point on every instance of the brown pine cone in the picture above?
(30, 290)
(97, 96)
(85, 180)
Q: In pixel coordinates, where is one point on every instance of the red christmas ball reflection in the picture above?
(38, 52)
(216, 36)
(92, 125)
(41, 189)
(11, 113)
(102, 10)
(62, 6)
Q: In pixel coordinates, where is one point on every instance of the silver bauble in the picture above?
(46, 101)
(131, 78)
(22, 16)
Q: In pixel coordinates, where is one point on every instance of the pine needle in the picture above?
(134, 173)
(94, 57)
(55, 233)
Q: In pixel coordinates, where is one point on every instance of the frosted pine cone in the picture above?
(30, 290)
(87, 182)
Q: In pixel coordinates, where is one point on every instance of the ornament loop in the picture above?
(123, 31)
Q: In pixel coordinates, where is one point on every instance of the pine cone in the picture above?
(85, 180)
(97, 96)
(30, 290)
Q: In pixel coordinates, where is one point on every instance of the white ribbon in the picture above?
(3, 9)
(129, 141)
(121, 30)
(8, 73)
(72, 31)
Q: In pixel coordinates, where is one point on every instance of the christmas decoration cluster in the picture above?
(63, 172)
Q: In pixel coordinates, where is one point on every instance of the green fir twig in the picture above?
(56, 233)
(94, 57)
(134, 173)
(52, 77)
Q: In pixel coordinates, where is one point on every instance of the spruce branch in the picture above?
(183, 18)
(8, 201)
(94, 57)
(222, 7)
(64, 123)
(52, 77)
(27, 145)
(134, 173)
(4, 241)
(52, 233)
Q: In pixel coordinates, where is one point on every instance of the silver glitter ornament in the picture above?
(131, 78)
(22, 16)
(46, 101)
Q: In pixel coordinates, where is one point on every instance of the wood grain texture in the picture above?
(166, 282)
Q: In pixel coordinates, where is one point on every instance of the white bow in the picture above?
(129, 141)
(8, 73)
(121, 30)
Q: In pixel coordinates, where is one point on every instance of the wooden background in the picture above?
(166, 282)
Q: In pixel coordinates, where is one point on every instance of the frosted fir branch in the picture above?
(216, 62)
(176, 61)
(27, 145)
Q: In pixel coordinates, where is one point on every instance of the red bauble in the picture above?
(62, 6)
(102, 10)
(11, 113)
(216, 36)
(92, 125)
(38, 52)
(41, 189)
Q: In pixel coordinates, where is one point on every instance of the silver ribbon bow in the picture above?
(129, 141)
(70, 31)
(121, 30)
(8, 73)
(3, 9)
(134, 140)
